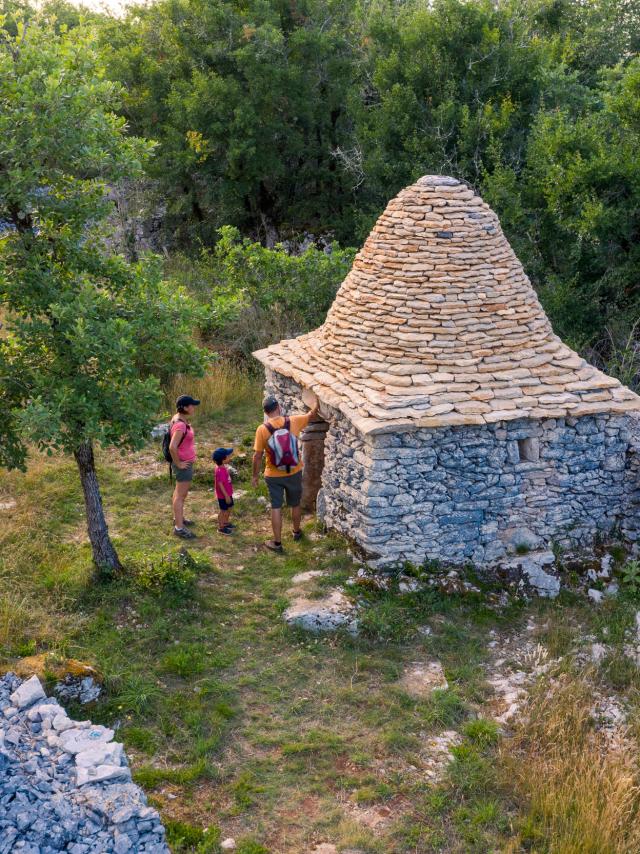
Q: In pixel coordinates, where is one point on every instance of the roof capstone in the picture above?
(437, 325)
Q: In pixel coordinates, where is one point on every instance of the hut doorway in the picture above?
(312, 443)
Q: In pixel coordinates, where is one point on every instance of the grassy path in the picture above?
(236, 723)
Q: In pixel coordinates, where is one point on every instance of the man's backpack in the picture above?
(282, 447)
(166, 441)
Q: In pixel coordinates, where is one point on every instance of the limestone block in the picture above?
(28, 693)
(77, 740)
(327, 614)
(102, 774)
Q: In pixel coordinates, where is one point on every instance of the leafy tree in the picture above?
(574, 211)
(451, 87)
(248, 102)
(88, 336)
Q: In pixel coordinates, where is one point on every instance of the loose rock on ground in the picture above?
(64, 784)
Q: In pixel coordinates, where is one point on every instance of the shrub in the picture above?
(482, 732)
(186, 837)
(255, 296)
(175, 572)
(185, 660)
(631, 576)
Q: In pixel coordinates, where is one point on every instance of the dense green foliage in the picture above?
(574, 209)
(89, 337)
(253, 295)
(279, 118)
(282, 118)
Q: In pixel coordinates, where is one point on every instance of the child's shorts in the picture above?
(223, 504)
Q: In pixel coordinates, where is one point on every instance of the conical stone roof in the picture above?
(437, 324)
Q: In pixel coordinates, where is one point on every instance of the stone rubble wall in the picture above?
(474, 494)
(64, 784)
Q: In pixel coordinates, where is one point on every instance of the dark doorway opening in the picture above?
(312, 442)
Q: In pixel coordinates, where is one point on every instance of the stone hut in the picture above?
(458, 426)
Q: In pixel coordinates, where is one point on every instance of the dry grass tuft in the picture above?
(14, 616)
(226, 385)
(582, 786)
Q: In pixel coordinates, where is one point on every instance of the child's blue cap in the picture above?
(221, 454)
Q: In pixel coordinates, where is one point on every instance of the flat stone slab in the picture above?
(102, 774)
(332, 612)
(28, 693)
(303, 577)
(80, 740)
(105, 754)
(536, 569)
(421, 679)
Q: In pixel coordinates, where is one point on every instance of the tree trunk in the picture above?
(104, 554)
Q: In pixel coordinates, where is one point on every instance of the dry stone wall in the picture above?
(478, 493)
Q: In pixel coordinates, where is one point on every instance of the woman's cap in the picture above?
(186, 400)
(221, 454)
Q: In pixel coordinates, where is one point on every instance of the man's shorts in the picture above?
(223, 504)
(289, 484)
(182, 475)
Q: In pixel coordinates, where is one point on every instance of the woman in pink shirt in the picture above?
(183, 452)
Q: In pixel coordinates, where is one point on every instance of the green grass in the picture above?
(236, 723)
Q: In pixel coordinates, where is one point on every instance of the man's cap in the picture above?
(186, 400)
(269, 404)
(221, 454)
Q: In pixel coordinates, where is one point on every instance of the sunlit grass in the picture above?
(269, 729)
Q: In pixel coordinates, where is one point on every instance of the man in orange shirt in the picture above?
(284, 479)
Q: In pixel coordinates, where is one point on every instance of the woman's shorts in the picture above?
(182, 475)
(289, 485)
(223, 504)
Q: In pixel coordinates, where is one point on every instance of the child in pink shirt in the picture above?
(224, 489)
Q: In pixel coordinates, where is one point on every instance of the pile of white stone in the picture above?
(64, 784)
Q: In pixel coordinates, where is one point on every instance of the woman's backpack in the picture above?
(282, 447)
(166, 441)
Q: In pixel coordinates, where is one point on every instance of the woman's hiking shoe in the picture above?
(297, 535)
(274, 547)
(184, 534)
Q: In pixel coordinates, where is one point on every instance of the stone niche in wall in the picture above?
(456, 425)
